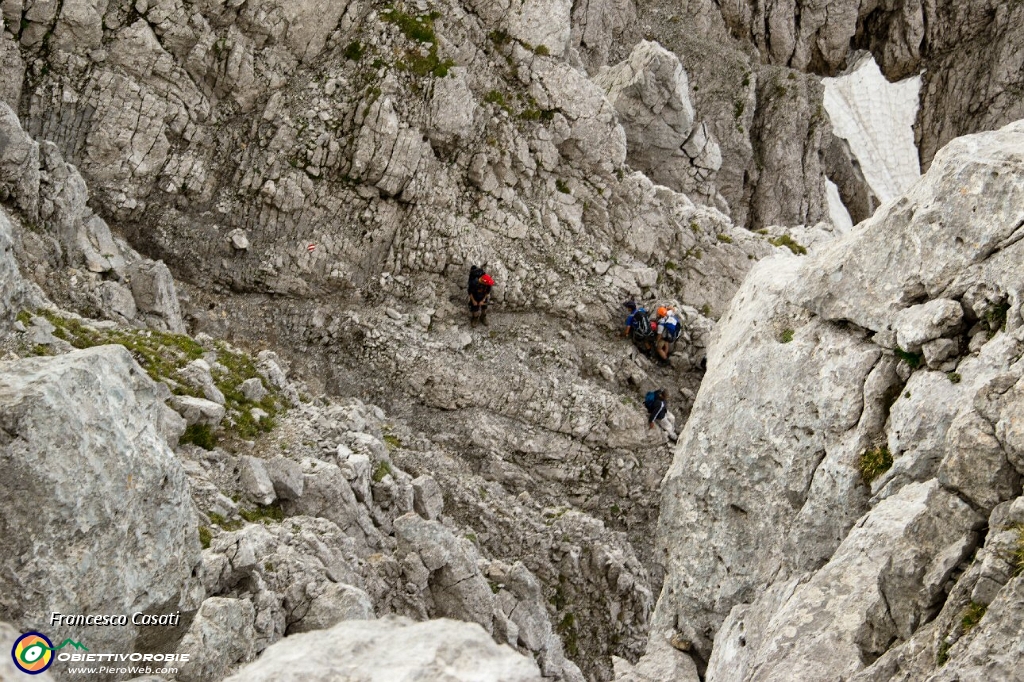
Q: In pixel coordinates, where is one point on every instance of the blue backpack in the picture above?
(651, 399)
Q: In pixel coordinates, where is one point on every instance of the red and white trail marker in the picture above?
(311, 248)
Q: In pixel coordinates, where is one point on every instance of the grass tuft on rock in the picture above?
(789, 243)
(265, 514)
(972, 616)
(1018, 550)
(419, 29)
(382, 469)
(786, 336)
(874, 462)
(995, 316)
(913, 360)
(205, 537)
(162, 354)
(201, 435)
(219, 520)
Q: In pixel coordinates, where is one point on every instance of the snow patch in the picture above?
(877, 117)
(837, 212)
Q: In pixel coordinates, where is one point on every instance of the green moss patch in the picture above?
(382, 469)
(219, 520)
(1018, 550)
(419, 29)
(205, 537)
(789, 243)
(913, 360)
(162, 354)
(201, 435)
(972, 616)
(269, 513)
(874, 462)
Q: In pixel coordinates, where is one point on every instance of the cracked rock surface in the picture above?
(770, 522)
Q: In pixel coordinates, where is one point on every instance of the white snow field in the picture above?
(876, 117)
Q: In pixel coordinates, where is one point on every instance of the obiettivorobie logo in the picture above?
(33, 652)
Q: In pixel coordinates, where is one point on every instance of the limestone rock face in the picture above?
(651, 94)
(455, 583)
(972, 238)
(596, 24)
(97, 509)
(154, 291)
(19, 163)
(12, 287)
(769, 515)
(395, 650)
(791, 128)
(881, 583)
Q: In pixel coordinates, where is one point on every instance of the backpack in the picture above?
(650, 400)
(672, 332)
(642, 325)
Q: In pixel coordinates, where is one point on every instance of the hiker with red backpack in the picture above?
(479, 290)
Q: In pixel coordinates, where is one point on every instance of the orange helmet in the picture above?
(662, 311)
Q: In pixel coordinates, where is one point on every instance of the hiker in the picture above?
(667, 330)
(639, 327)
(479, 290)
(657, 413)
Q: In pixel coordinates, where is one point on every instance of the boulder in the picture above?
(116, 301)
(881, 584)
(19, 163)
(97, 511)
(427, 498)
(286, 476)
(197, 410)
(197, 374)
(255, 481)
(919, 324)
(253, 389)
(457, 588)
(154, 292)
(335, 604)
(326, 493)
(939, 241)
(221, 635)
(12, 286)
(391, 650)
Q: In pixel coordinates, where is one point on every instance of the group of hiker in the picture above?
(652, 333)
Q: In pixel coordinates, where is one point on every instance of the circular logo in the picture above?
(32, 653)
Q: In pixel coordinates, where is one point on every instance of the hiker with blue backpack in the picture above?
(639, 327)
(656, 402)
(667, 330)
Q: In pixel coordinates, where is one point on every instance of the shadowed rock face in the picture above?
(766, 521)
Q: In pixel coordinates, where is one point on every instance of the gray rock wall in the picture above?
(97, 511)
(766, 516)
